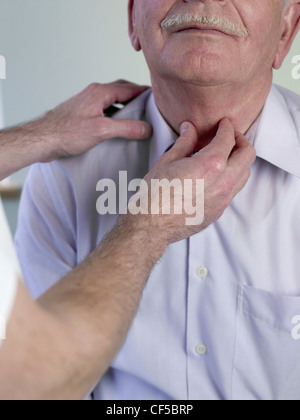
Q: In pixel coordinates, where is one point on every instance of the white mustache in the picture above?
(171, 23)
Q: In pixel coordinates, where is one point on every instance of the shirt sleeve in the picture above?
(9, 273)
(45, 238)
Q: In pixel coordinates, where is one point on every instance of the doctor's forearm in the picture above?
(66, 341)
(98, 300)
(20, 147)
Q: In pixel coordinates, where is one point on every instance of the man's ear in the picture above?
(133, 25)
(291, 25)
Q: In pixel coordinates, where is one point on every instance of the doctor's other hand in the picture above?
(81, 123)
(223, 165)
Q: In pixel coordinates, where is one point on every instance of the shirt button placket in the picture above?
(202, 273)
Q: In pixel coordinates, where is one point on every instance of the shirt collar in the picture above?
(273, 134)
(163, 135)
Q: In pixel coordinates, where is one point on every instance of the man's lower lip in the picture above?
(201, 31)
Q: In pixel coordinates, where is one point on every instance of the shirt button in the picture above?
(202, 272)
(201, 350)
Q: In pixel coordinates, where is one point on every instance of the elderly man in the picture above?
(84, 318)
(218, 315)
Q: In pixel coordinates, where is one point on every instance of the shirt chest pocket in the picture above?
(267, 358)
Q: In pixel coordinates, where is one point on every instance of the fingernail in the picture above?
(184, 127)
(146, 131)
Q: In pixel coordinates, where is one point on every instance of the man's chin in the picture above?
(198, 54)
(201, 73)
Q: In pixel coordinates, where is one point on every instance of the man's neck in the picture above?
(206, 106)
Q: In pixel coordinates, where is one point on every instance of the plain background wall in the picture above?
(55, 48)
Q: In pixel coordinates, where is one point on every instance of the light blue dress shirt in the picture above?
(216, 318)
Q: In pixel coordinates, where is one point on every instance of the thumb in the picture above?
(186, 143)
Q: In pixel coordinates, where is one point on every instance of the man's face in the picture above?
(210, 41)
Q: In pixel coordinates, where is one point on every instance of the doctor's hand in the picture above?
(72, 128)
(224, 166)
(81, 123)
